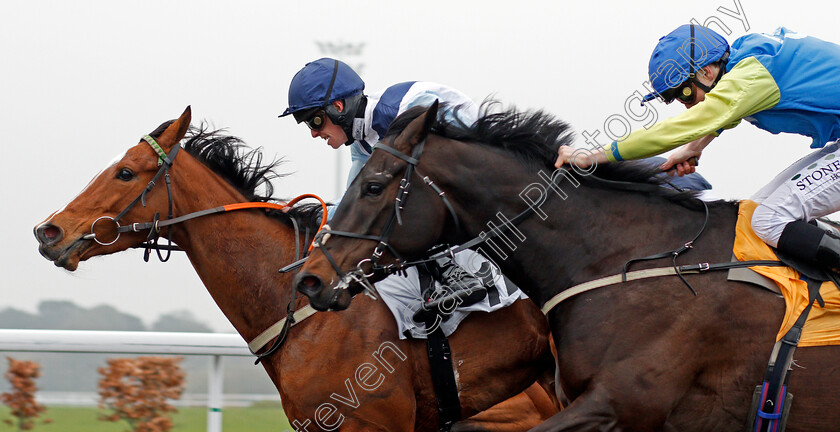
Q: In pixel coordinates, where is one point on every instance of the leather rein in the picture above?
(277, 331)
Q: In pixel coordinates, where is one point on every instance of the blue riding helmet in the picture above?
(320, 83)
(310, 85)
(675, 58)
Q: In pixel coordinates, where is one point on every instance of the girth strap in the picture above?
(440, 364)
(770, 410)
(277, 328)
(650, 273)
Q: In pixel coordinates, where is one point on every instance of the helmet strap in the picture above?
(704, 87)
(693, 74)
(354, 107)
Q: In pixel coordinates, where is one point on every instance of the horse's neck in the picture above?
(593, 232)
(235, 254)
(589, 234)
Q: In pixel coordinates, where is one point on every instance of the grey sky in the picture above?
(81, 81)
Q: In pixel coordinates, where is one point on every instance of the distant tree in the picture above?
(11, 318)
(180, 321)
(66, 315)
(21, 400)
(106, 317)
(137, 390)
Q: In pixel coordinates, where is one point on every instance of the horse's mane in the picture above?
(534, 137)
(229, 157)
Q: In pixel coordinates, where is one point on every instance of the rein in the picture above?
(280, 329)
(358, 274)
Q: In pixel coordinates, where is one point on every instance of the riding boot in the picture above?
(461, 283)
(458, 288)
(828, 252)
(812, 243)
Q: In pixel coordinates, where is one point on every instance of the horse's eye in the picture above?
(374, 189)
(125, 174)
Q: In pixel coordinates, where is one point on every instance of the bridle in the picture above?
(359, 275)
(279, 330)
(165, 162)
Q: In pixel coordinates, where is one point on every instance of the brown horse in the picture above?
(644, 355)
(346, 369)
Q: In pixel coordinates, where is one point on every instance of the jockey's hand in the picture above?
(582, 158)
(681, 162)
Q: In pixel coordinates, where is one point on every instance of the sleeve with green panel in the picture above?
(745, 90)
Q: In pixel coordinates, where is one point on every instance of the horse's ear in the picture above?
(176, 131)
(419, 128)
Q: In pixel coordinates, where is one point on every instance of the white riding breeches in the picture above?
(806, 190)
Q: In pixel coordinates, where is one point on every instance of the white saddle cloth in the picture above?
(403, 295)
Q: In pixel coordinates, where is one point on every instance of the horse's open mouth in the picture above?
(69, 257)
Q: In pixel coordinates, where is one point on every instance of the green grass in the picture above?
(193, 419)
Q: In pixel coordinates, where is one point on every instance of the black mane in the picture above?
(534, 137)
(242, 167)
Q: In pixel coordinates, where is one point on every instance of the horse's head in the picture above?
(388, 213)
(89, 225)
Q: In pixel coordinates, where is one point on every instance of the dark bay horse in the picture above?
(346, 370)
(644, 355)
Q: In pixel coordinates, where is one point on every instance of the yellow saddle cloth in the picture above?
(823, 324)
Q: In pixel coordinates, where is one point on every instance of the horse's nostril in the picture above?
(308, 284)
(310, 281)
(48, 234)
(51, 232)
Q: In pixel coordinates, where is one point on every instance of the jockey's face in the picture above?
(705, 75)
(332, 133)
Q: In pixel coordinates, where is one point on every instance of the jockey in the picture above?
(784, 82)
(328, 96)
(344, 115)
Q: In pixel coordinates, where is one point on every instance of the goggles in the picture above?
(684, 92)
(313, 117)
(316, 122)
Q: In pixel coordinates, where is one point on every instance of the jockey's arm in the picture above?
(680, 161)
(746, 89)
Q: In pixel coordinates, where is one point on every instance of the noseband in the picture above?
(358, 274)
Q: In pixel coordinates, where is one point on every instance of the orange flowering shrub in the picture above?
(138, 390)
(21, 400)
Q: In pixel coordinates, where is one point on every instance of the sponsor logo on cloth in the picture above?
(828, 172)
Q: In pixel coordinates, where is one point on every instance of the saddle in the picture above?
(823, 323)
(812, 318)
